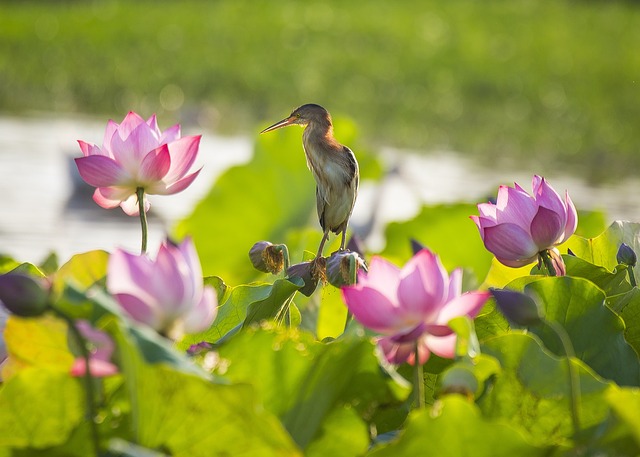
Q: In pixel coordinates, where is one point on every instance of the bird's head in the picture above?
(304, 115)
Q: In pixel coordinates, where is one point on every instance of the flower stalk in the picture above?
(418, 381)
(548, 263)
(143, 219)
(574, 378)
(88, 381)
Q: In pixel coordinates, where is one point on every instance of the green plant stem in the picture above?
(574, 378)
(418, 381)
(632, 277)
(548, 263)
(285, 312)
(88, 381)
(347, 320)
(143, 219)
(285, 255)
(353, 278)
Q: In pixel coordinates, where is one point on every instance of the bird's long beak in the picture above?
(283, 123)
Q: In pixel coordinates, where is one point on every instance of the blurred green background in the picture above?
(545, 81)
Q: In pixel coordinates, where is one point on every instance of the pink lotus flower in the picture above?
(137, 154)
(520, 226)
(100, 354)
(412, 305)
(167, 293)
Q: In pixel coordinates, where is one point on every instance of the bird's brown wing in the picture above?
(320, 205)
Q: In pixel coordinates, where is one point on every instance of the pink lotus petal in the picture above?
(399, 353)
(130, 150)
(444, 346)
(488, 210)
(383, 275)
(176, 187)
(155, 165)
(152, 122)
(107, 197)
(467, 304)
(423, 285)
(189, 255)
(130, 122)
(183, 154)
(100, 340)
(111, 130)
(546, 228)
(188, 250)
(98, 368)
(131, 207)
(518, 263)
(129, 274)
(515, 206)
(572, 219)
(171, 134)
(91, 149)
(167, 266)
(518, 187)
(438, 329)
(548, 198)
(142, 311)
(455, 284)
(510, 242)
(100, 171)
(482, 223)
(374, 310)
(204, 313)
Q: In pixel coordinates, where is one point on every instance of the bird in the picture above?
(334, 168)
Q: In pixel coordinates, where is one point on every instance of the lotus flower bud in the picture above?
(310, 272)
(342, 268)
(267, 257)
(626, 255)
(416, 246)
(23, 295)
(559, 267)
(517, 307)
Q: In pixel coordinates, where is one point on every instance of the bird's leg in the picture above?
(344, 239)
(324, 240)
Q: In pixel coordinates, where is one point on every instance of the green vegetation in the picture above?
(542, 80)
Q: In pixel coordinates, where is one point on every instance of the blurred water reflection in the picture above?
(46, 206)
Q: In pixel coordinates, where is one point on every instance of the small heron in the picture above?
(333, 165)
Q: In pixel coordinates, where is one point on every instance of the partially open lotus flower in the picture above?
(134, 155)
(165, 293)
(411, 306)
(519, 226)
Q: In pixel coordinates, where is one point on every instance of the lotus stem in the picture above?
(88, 381)
(418, 381)
(548, 263)
(143, 219)
(574, 378)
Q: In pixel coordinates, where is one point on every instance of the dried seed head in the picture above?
(267, 257)
(342, 268)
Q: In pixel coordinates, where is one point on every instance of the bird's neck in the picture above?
(319, 133)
